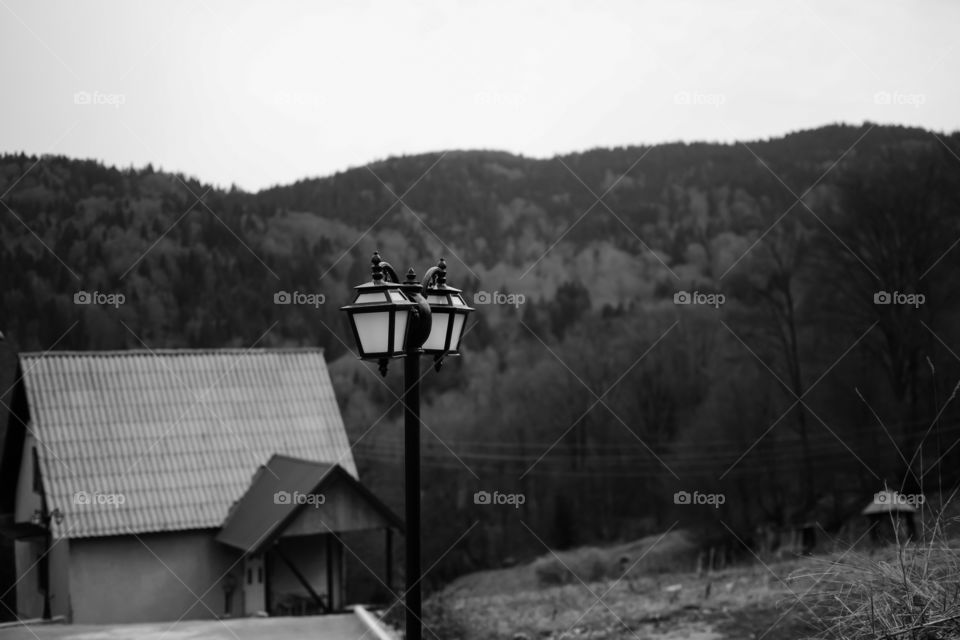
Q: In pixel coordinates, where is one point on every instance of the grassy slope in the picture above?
(652, 601)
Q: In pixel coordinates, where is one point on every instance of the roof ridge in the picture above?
(287, 456)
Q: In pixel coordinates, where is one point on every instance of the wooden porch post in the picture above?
(329, 546)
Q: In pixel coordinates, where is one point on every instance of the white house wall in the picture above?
(125, 579)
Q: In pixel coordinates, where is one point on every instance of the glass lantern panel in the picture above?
(397, 296)
(457, 301)
(458, 320)
(438, 332)
(400, 330)
(373, 329)
(370, 297)
(435, 299)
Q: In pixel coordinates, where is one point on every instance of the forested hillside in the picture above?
(794, 394)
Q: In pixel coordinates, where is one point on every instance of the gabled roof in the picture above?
(271, 502)
(176, 433)
(887, 501)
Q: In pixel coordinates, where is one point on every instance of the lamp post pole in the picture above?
(421, 323)
(411, 444)
(390, 319)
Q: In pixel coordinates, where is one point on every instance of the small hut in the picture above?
(891, 517)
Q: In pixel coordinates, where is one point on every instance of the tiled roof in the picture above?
(167, 440)
(258, 518)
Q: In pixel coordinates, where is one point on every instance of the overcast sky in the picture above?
(268, 92)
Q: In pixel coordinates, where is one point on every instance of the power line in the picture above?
(691, 459)
(870, 429)
(822, 443)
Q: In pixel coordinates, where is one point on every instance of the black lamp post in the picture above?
(393, 319)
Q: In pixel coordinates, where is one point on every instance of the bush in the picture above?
(654, 554)
(550, 571)
(588, 564)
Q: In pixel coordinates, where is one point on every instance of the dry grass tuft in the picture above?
(908, 591)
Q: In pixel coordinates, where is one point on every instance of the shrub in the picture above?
(654, 554)
(588, 564)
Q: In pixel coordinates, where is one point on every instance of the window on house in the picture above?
(260, 574)
(249, 576)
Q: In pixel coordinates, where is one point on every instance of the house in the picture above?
(179, 484)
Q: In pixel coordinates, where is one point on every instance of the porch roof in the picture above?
(296, 497)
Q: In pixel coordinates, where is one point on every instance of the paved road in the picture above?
(334, 627)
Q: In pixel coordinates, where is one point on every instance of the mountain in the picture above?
(555, 395)
(196, 271)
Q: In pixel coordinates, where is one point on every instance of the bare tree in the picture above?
(774, 286)
(888, 257)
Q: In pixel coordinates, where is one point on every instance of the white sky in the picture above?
(270, 92)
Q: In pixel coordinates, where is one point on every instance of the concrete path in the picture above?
(334, 627)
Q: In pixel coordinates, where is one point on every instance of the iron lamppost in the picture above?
(393, 319)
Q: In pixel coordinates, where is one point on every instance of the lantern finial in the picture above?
(376, 268)
(442, 273)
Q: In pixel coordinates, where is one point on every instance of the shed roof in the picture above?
(271, 503)
(887, 501)
(176, 433)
